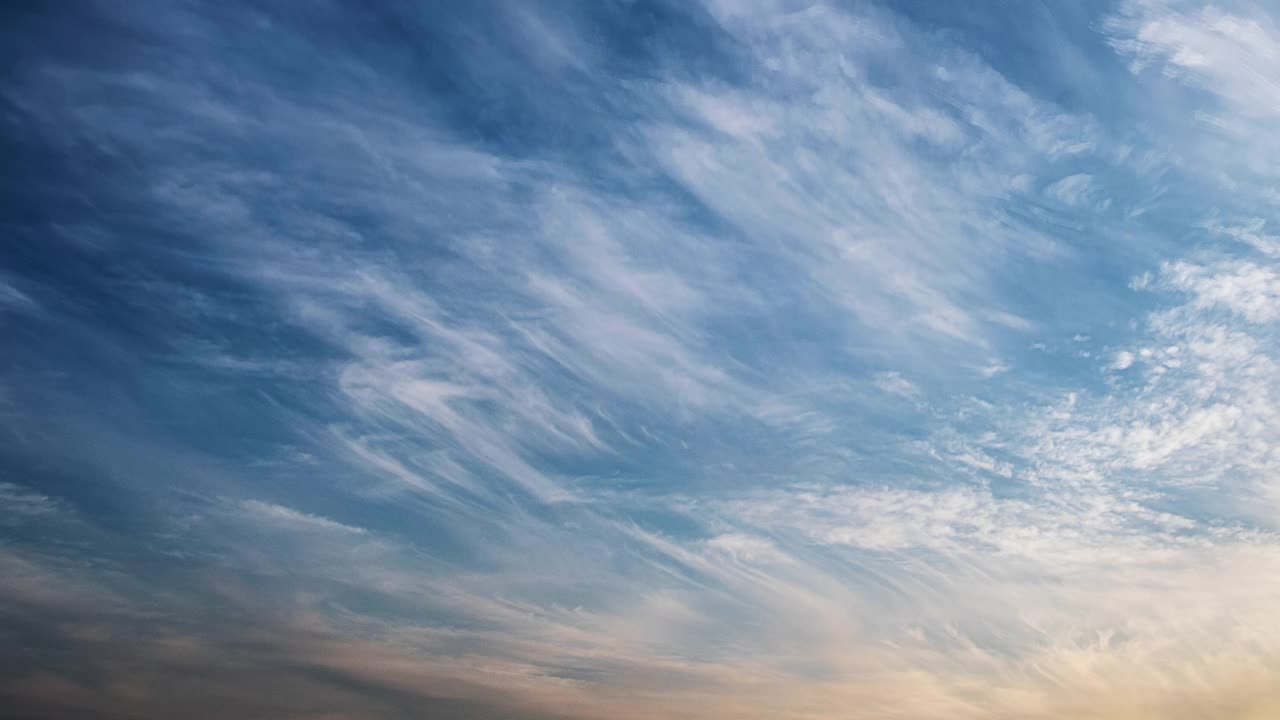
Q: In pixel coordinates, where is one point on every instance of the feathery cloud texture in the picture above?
(759, 360)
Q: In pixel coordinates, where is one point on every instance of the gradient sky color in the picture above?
(638, 360)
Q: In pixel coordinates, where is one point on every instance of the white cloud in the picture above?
(894, 384)
(1074, 190)
(1251, 233)
(1230, 51)
(1228, 54)
(271, 514)
(13, 299)
(902, 240)
(1242, 288)
(20, 504)
(655, 505)
(992, 370)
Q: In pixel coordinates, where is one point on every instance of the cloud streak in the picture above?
(648, 361)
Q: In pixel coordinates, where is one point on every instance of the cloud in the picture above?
(20, 503)
(11, 298)
(894, 384)
(902, 240)
(1251, 233)
(686, 376)
(1075, 190)
(1226, 53)
(287, 518)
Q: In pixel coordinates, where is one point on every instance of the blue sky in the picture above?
(637, 359)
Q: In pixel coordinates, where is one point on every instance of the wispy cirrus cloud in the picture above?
(686, 376)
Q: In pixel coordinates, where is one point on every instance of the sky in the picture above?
(634, 360)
